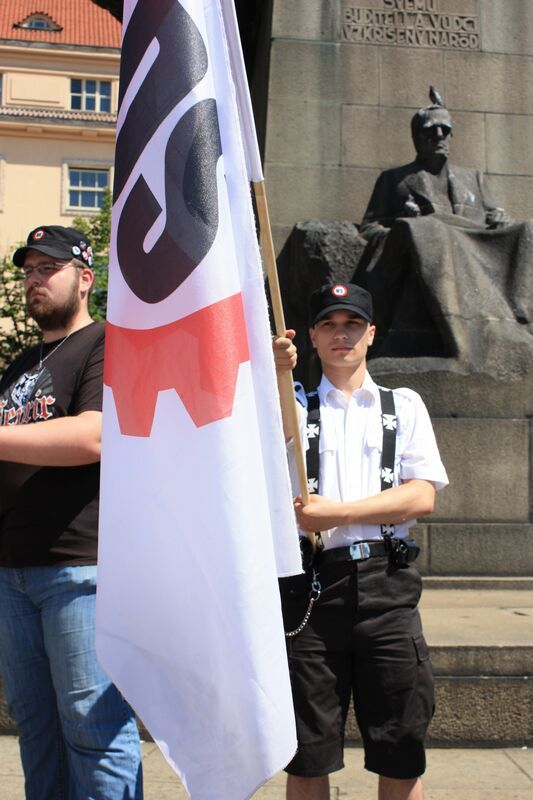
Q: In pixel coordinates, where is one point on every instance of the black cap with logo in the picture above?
(57, 242)
(339, 297)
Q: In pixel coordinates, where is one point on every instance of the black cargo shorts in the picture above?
(364, 638)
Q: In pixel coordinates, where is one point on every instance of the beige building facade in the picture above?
(57, 127)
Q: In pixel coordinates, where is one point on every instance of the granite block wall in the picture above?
(347, 75)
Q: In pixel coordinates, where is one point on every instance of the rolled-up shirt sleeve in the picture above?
(417, 448)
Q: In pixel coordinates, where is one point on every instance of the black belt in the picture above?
(359, 551)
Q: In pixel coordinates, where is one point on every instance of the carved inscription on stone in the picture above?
(409, 23)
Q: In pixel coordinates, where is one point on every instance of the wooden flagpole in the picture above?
(285, 383)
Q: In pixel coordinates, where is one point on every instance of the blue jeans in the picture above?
(78, 737)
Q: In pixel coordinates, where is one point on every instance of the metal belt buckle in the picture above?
(359, 551)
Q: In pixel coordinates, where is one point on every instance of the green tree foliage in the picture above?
(17, 331)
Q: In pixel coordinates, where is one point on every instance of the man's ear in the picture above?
(371, 334)
(86, 280)
(312, 336)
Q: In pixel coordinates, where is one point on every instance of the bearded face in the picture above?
(54, 303)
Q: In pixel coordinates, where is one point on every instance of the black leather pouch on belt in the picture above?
(403, 551)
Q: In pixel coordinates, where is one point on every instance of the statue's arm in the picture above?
(494, 215)
(378, 215)
(391, 199)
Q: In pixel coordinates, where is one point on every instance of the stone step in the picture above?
(481, 645)
(482, 653)
(478, 618)
(484, 582)
(475, 549)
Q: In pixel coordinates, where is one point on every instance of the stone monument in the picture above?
(450, 273)
(346, 77)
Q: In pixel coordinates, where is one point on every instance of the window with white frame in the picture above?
(86, 188)
(90, 95)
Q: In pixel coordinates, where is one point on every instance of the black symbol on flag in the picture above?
(192, 213)
(191, 154)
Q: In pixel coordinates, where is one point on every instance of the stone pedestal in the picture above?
(479, 540)
(482, 524)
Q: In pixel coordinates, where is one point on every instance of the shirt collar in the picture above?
(327, 391)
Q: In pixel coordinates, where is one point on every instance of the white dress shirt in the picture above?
(351, 438)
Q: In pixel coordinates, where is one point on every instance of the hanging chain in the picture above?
(314, 594)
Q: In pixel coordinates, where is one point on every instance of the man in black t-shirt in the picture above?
(78, 736)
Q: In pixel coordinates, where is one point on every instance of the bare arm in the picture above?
(414, 498)
(285, 357)
(62, 442)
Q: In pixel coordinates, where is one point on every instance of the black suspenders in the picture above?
(313, 435)
(389, 425)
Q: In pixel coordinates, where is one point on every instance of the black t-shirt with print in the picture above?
(49, 515)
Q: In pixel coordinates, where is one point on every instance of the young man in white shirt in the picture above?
(363, 636)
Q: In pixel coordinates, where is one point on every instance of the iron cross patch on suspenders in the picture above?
(389, 424)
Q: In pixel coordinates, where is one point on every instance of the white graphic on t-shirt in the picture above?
(23, 389)
(30, 399)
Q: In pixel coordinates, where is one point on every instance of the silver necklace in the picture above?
(51, 353)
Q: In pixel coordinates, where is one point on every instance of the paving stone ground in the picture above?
(469, 774)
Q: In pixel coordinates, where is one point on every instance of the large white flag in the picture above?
(196, 513)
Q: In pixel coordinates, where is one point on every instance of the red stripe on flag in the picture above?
(197, 356)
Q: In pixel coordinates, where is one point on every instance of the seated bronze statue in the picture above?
(450, 273)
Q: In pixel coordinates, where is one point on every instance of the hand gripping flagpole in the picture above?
(255, 174)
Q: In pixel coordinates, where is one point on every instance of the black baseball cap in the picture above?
(340, 297)
(57, 242)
